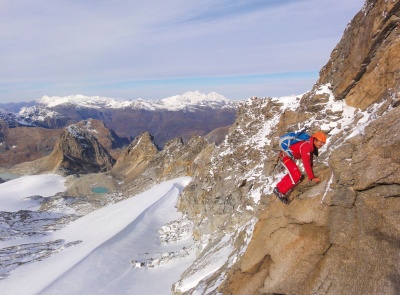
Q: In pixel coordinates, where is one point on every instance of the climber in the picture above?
(301, 150)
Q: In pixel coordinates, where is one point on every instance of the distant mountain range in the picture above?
(189, 100)
(192, 113)
(187, 115)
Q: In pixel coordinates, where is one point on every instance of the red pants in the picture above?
(292, 178)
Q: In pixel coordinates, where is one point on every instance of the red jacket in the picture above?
(304, 150)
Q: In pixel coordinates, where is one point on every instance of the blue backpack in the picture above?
(286, 140)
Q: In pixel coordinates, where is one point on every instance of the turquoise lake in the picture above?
(100, 190)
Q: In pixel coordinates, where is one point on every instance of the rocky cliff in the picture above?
(363, 67)
(340, 236)
(23, 144)
(142, 165)
(81, 152)
(136, 157)
(76, 151)
(107, 137)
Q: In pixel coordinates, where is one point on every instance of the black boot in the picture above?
(281, 196)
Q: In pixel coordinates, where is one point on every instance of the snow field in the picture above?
(102, 244)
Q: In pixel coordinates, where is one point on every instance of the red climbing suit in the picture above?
(301, 150)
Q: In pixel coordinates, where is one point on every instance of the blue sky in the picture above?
(154, 49)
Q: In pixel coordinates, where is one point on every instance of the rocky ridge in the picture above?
(81, 152)
(107, 137)
(142, 165)
(24, 144)
(232, 183)
(76, 151)
(313, 228)
(337, 237)
(85, 162)
(322, 222)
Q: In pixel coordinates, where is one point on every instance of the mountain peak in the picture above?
(194, 98)
(78, 100)
(177, 102)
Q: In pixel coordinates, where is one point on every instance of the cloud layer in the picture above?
(153, 49)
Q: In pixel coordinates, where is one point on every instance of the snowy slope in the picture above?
(12, 119)
(15, 195)
(93, 254)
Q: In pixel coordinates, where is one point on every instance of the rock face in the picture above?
(142, 165)
(136, 157)
(363, 67)
(107, 137)
(340, 236)
(77, 151)
(337, 237)
(23, 144)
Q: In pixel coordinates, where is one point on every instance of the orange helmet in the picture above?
(320, 136)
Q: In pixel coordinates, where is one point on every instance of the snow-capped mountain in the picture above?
(173, 103)
(164, 119)
(38, 113)
(12, 119)
(185, 116)
(195, 98)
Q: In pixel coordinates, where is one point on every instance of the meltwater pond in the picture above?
(100, 190)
